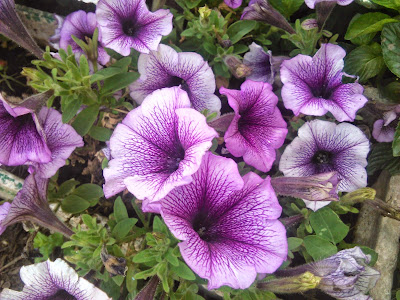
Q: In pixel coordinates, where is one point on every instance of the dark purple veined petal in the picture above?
(258, 127)
(227, 224)
(129, 24)
(166, 68)
(158, 146)
(260, 63)
(53, 280)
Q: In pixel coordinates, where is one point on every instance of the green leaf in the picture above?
(286, 7)
(119, 279)
(120, 212)
(85, 119)
(183, 271)
(101, 134)
(123, 227)
(374, 255)
(159, 225)
(367, 23)
(294, 242)
(74, 204)
(327, 225)
(365, 62)
(131, 283)
(396, 141)
(381, 158)
(70, 106)
(118, 82)
(66, 187)
(84, 65)
(318, 247)
(391, 47)
(239, 29)
(146, 255)
(393, 4)
(89, 191)
(171, 258)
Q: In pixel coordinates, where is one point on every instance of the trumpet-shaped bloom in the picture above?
(260, 63)
(384, 129)
(313, 85)
(167, 68)
(311, 3)
(126, 24)
(4, 209)
(258, 127)
(30, 204)
(53, 280)
(323, 146)
(228, 225)
(158, 146)
(82, 25)
(40, 140)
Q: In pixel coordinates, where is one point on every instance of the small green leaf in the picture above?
(171, 258)
(123, 227)
(84, 65)
(89, 191)
(239, 29)
(294, 242)
(74, 204)
(369, 251)
(146, 255)
(101, 134)
(70, 106)
(391, 47)
(85, 119)
(318, 247)
(119, 279)
(327, 224)
(159, 226)
(367, 23)
(66, 187)
(131, 283)
(118, 82)
(183, 271)
(120, 212)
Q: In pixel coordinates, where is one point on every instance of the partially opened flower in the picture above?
(53, 280)
(30, 204)
(13, 28)
(40, 139)
(258, 128)
(167, 68)
(4, 209)
(228, 225)
(158, 146)
(323, 146)
(82, 25)
(384, 129)
(311, 3)
(233, 3)
(313, 85)
(126, 24)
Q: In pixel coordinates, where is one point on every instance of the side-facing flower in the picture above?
(323, 146)
(53, 280)
(158, 146)
(30, 204)
(258, 127)
(313, 85)
(384, 129)
(228, 225)
(82, 25)
(167, 68)
(312, 189)
(311, 3)
(233, 3)
(260, 63)
(126, 24)
(13, 28)
(40, 139)
(344, 276)
(4, 209)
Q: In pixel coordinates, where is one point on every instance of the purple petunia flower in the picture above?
(384, 129)
(313, 85)
(167, 68)
(323, 146)
(4, 209)
(53, 280)
(233, 3)
(311, 3)
(228, 225)
(82, 25)
(126, 24)
(258, 127)
(40, 140)
(30, 204)
(158, 146)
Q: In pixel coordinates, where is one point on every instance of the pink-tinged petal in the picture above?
(313, 86)
(258, 127)
(233, 3)
(129, 24)
(323, 146)
(227, 224)
(158, 146)
(382, 133)
(61, 139)
(4, 209)
(167, 68)
(50, 280)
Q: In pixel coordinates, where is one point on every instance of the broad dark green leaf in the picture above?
(286, 7)
(123, 227)
(118, 82)
(85, 119)
(393, 4)
(367, 23)
(120, 212)
(318, 247)
(88, 191)
(74, 204)
(391, 47)
(327, 224)
(101, 134)
(381, 158)
(294, 242)
(239, 29)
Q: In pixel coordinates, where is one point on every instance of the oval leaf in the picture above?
(319, 248)
(368, 23)
(391, 47)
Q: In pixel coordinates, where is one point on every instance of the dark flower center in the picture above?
(201, 224)
(61, 295)
(174, 159)
(322, 157)
(322, 92)
(177, 81)
(129, 27)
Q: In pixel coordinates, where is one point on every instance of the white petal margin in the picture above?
(45, 279)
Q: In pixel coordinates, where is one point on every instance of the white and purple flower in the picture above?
(311, 3)
(313, 85)
(82, 25)
(167, 68)
(126, 24)
(323, 146)
(228, 224)
(40, 139)
(257, 128)
(260, 63)
(158, 146)
(53, 280)
(4, 209)
(384, 129)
